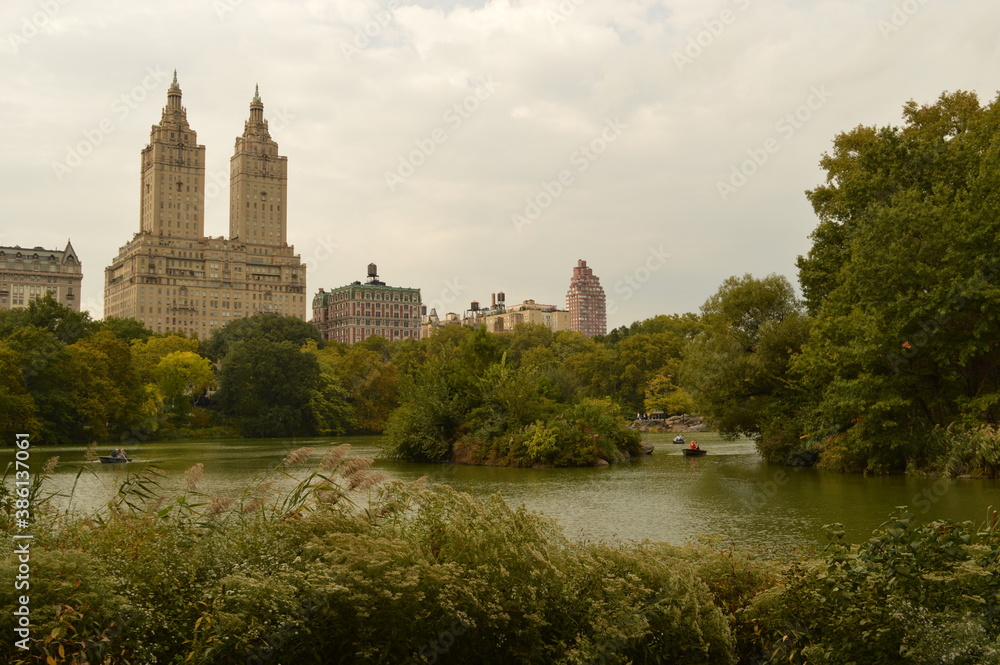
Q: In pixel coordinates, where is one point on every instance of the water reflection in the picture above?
(729, 493)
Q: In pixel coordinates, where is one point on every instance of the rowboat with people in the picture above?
(117, 456)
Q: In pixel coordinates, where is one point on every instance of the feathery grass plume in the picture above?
(365, 480)
(333, 457)
(252, 505)
(50, 465)
(297, 457)
(219, 505)
(91, 453)
(193, 476)
(353, 465)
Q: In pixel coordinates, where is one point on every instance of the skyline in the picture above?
(471, 148)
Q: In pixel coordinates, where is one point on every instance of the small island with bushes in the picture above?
(472, 407)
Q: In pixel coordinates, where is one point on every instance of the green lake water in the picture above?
(729, 493)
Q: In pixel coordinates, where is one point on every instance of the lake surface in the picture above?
(729, 493)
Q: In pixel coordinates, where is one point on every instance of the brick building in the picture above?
(357, 311)
(586, 303)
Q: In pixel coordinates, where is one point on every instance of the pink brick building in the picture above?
(585, 302)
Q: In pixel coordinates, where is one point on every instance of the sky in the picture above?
(471, 147)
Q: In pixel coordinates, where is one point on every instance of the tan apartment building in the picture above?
(358, 311)
(28, 274)
(499, 318)
(171, 276)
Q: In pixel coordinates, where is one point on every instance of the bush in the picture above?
(416, 576)
(910, 594)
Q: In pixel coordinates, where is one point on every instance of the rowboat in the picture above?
(694, 452)
(108, 459)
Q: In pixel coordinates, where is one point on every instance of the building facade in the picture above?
(499, 319)
(586, 303)
(28, 274)
(358, 311)
(171, 276)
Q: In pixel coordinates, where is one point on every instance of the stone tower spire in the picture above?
(172, 178)
(258, 178)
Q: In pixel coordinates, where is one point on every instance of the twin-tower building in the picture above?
(171, 276)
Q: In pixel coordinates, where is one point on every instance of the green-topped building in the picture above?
(357, 311)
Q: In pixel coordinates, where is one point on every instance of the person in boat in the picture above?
(694, 445)
(679, 438)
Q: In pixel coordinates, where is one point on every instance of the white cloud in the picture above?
(561, 70)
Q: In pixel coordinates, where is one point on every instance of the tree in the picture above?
(148, 353)
(902, 276)
(663, 394)
(182, 376)
(736, 369)
(17, 408)
(269, 327)
(267, 387)
(46, 313)
(126, 329)
(371, 384)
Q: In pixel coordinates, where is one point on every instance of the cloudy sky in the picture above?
(469, 147)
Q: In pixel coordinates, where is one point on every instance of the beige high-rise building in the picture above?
(174, 278)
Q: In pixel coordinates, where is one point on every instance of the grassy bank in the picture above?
(413, 574)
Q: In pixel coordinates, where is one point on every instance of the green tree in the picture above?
(736, 369)
(371, 383)
(45, 369)
(663, 394)
(181, 377)
(269, 327)
(125, 329)
(902, 276)
(46, 313)
(148, 353)
(267, 387)
(17, 408)
(105, 389)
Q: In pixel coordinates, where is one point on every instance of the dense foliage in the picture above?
(473, 403)
(340, 568)
(72, 380)
(890, 364)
